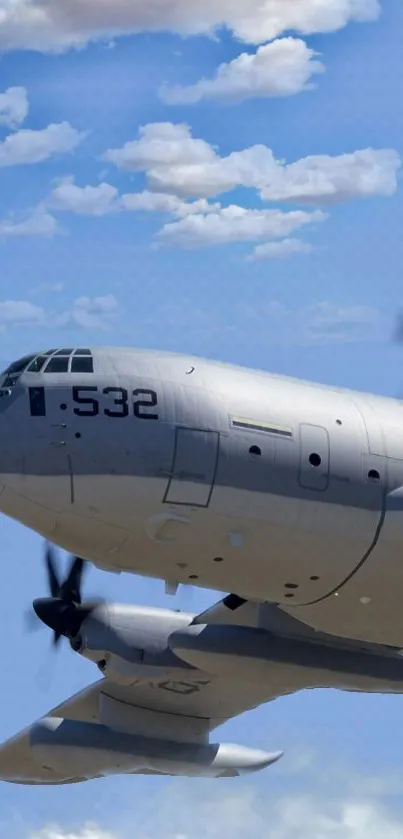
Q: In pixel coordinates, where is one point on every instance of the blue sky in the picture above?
(148, 199)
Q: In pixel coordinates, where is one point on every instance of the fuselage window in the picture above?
(82, 364)
(37, 401)
(57, 364)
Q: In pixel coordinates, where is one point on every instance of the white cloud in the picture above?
(281, 68)
(20, 312)
(38, 223)
(325, 179)
(279, 250)
(161, 144)
(13, 106)
(90, 831)
(104, 198)
(162, 202)
(57, 25)
(87, 200)
(90, 312)
(182, 165)
(243, 814)
(29, 146)
(234, 224)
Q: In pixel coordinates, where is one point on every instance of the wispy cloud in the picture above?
(92, 313)
(20, 313)
(280, 250)
(39, 222)
(244, 813)
(89, 313)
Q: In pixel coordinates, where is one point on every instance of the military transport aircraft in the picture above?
(286, 493)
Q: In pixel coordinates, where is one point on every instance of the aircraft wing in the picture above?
(207, 701)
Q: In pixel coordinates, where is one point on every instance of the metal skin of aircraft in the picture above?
(170, 678)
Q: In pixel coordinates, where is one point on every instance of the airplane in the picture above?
(203, 473)
(287, 494)
(169, 679)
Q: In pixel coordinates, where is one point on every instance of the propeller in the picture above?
(63, 611)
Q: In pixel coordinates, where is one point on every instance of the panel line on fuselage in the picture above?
(355, 570)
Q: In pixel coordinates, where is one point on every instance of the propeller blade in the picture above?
(71, 588)
(54, 584)
(64, 611)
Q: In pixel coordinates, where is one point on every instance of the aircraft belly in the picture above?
(368, 606)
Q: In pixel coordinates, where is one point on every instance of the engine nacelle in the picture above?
(86, 750)
(129, 644)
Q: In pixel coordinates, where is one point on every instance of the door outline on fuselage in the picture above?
(180, 432)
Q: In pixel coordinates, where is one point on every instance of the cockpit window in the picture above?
(20, 365)
(57, 364)
(82, 364)
(51, 361)
(37, 364)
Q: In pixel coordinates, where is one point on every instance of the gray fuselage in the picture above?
(198, 472)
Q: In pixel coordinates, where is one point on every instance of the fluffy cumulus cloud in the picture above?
(235, 224)
(279, 250)
(37, 223)
(104, 198)
(13, 106)
(88, 200)
(242, 814)
(176, 162)
(281, 68)
(60, 24)
(29, 146)
(161, 145)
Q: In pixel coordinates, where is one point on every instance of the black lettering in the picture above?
(37, 401)
(121, 401)
(79, 396)
(151, 402)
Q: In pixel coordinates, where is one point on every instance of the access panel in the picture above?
(314, 457)
(194, 467)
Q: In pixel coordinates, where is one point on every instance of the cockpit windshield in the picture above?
(18, 366)
(65, 360)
